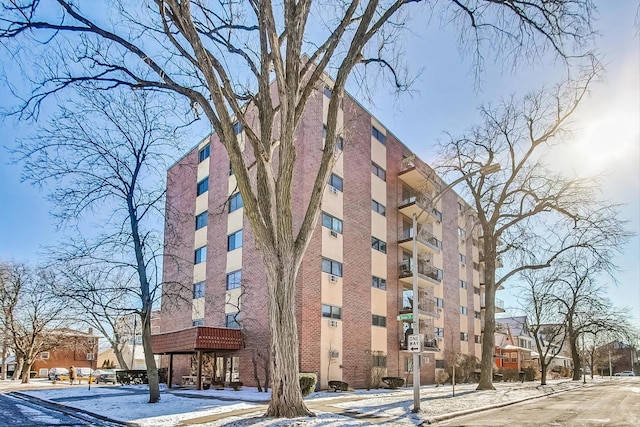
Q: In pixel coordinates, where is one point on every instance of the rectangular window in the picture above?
(379, 282)
(476, 290)
(463, 310)
(439, 332)
(437, 214)
(332, 223)
(377, 134)
(335, 181)
(461, 233)
(200, 255)
(463, 284)
(378, 207)
(379, 320)
(197, 322)
(234, 279)
(463, 259)
(237, 127)
(379, 361)
(203, 186)
(464, 336)
(44, 355)
(340, 143)
(234, 241)
(332, 267)
(327, 92)
(440, 364)
(235, 202)
(439, 302)
(201, 220)
(231, 320)
(477, 315)
(331, 311)
(477, 339)
(378, 171)
(204, 153)
(378, 245)
(198, 290)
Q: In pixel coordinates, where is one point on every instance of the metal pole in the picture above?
(416, 323)
(610, 360)
(584, 358)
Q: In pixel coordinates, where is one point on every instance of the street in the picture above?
(614, 403)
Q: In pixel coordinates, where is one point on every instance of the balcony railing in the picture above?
(426, 305)
(425, 237)
(499, 303)
(424, 269)
(422, 201)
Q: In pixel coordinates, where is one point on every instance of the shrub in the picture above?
(441, 376)
(393, 382)
(529, 374)
(510, 374)
(308, 382)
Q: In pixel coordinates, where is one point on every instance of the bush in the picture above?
(308, 381)
(510, 374)
(338, 385)
(441, 376)
(529, 374)
(393, 382)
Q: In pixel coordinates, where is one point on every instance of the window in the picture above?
(203, 186)
(464, 336)
(440, 364)
(200, 255)
(379, 361)
(332, 267)
(476, 290)
(331, 311)
(335, 181)
(234, 279)
(463, 259)
(44, 355)
(231, 320)
(437, 214)
(463, 284)
(327, 92)
(234, 241)
(340, 143)
(237, 127)
(378, 207)
(197, 322)
(463, 309)
(235, 202)
(378, 245)
(378, 171)
(332, 223)
(439, 332)
(439, 302)
(204, 153)
(201, 220)
(377, 134)
(477, 315)
(461, 233)
(379, 321)
(477, 339)
(198, 290)
(379, 282)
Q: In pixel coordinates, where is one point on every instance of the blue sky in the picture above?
(607, 130)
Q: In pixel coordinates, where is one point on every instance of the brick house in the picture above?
(73, 348)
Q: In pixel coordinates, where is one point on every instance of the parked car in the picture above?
(624, 374)
(83, 372)
(54, 373)
(105, 376)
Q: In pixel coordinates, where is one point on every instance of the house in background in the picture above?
(74, 348)
(620, 356)
(514, 344)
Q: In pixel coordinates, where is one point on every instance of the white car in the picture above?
(624, 374)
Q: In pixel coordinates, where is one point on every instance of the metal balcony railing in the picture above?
(424, 269)
(425, 237)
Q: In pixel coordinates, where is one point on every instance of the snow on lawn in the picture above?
(245, 407)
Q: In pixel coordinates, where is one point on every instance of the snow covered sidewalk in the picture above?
(127, 404)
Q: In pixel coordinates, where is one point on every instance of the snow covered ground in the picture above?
(246, 407)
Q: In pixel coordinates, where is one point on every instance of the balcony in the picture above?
(421, 206)
(427, 274)
(499, 304)
(417, 175)
(430, 343)
(427, 242)
(426, 305)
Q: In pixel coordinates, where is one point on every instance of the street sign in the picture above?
(406, 316)
(414, 343)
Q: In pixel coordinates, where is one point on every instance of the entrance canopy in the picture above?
(198, 338)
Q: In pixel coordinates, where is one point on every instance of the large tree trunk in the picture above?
(152, 369)
(18, 370)
(488, 335)
(575, 356)
(543, 374)
(26, 369)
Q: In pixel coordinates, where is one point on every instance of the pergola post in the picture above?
(199, 373)
(170, 373)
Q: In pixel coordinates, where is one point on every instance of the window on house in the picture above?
(379, 282)
(377, 134)
(379, 361)
(378, 207)
(378, 171)
(234, 241)
(440, 364)
(477, 339)
(235, 202)
(201, 220)
(335, 181)
(44, 355)
(439, 332)
(463, 259)
(231, 320)
(340, 143)
(234, 279)
(477, 315)
(464, 336)
(378, 245)
(203, 186)
(439, 302)
(200, 255)
(463, 309)
(463, 284)
(379, 320)
(331, 311)
(331, 222)
(327, 92)
(237, 127)
(198, 290)
(332, 267)
(197, 322)
(204, 153)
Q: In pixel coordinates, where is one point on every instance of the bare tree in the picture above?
(527, 214)
(106, 154)
(246, 62)
(30, 313)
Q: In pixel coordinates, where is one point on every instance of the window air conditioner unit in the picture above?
(334, 354)
(333, 189)
(333, 323)
(333, 279)
(333, 233)
(89, 356)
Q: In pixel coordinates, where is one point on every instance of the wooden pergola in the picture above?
(196, 340)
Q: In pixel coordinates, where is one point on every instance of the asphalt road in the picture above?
(614, 403)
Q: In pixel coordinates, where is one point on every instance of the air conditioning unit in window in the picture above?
(333, 189)
(333, 323)
(334, 354)
(89, 356)
(333, 279)
(333, 233)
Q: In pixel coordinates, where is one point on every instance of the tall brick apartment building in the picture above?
(354, 291)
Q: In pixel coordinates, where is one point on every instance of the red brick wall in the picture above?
(71, 352)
